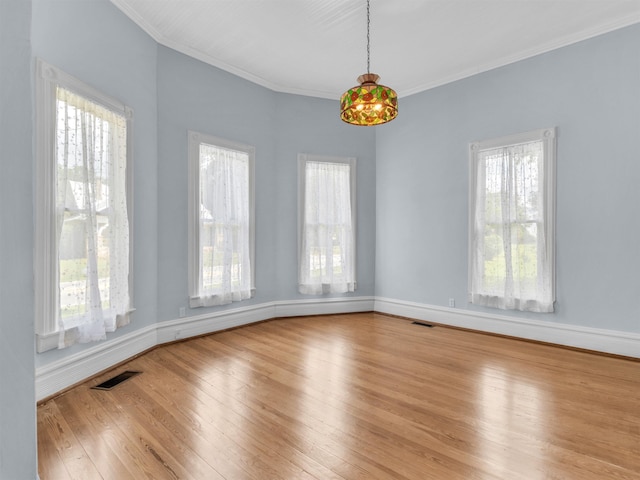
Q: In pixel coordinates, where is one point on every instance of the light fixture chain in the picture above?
(368, 39)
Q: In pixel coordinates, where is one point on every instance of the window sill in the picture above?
(50, 341)
(218, 300)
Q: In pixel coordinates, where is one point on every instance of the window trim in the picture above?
(303, 158)
(48, 78)
(193, 217)
(548, 138)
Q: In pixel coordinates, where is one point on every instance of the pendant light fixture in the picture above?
(368, 103)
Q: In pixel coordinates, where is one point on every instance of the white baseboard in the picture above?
(596, 339)
(56, 376)
(212, 322)
(324, 306)
(59, 375)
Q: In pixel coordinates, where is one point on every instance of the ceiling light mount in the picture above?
(369, 103)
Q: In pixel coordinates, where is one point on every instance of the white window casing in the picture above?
(512, 221)
(326, 224)
(221, 208)
(57, 93)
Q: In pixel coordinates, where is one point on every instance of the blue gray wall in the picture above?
(196, 96)
(17, 392)
(591, 92)
(311, 125)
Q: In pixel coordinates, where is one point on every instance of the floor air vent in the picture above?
(422, 324)
(117, 380)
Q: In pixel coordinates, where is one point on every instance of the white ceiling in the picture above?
(318, 47)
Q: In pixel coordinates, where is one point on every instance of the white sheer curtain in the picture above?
(327, 247)
(92, 226)
(512, 265)
(225, 248)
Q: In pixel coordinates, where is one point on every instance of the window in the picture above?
(512, 210)
(327, 249)
(221, 221)
(83, 287)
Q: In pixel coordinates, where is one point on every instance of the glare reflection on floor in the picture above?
(325, 368)
(511, 411)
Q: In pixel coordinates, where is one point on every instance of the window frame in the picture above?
(195, 139)
(48, 78)
(303, 158)
(547, 136)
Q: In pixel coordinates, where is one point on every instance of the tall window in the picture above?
(327, 249)
(512, 210)
(221, 221)
(83, 231)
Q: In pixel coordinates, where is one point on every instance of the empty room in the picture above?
(311, 239)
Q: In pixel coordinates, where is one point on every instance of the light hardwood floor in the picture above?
(359, 396)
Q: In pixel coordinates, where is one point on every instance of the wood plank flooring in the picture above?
(358, 396)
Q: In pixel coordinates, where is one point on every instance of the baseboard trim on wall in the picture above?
(210, 322)
(62, 374)
(327, 306)
(596, 339)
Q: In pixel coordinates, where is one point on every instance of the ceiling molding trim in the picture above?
(138, 20)
(193, 53)
(545, 48)
(507, 60)
(238, 72)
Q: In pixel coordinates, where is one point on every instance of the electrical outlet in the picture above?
(452, 302)
(182, 312)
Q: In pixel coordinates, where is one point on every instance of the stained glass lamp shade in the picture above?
(368, 103)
